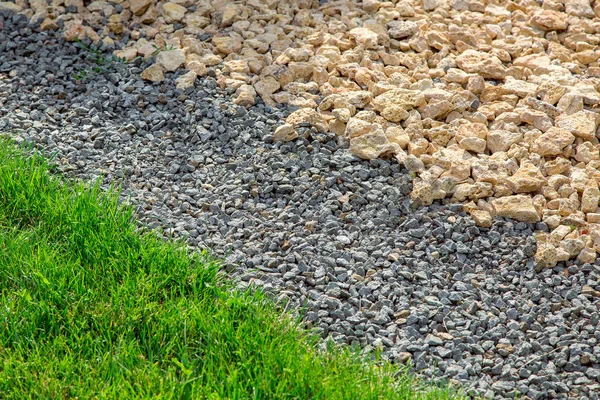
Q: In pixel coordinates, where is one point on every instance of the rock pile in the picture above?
(489, 103)
(315, 226)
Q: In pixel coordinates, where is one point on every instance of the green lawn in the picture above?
(91, 308)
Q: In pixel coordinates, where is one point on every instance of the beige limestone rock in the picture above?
(9, 6)
(394, 104)
(402, 29)
(572, 246)
(307, 116)
(73, 30)
(228, 14)
(587, 152)
(170, 60)
(590, 199)
(424, 193)
(396, 134)
(501, 140)
(528, 178)
(570, 103)
(150, 16)
(546, 255)
(538, 119)
(518, 207)
(482, 218)
(437, 109)
(245, 96)
(154, 73)
(193, 63)
(549, 20)
(227, 44)
(172, 12)
(552, 142)
(49, 24)
(483, 64)
(582, 124)
(473, 144)
(357, 127)
(364, 37)
(139, 7)
(285, 133)
(519, 87)
(128, 54)
(587, 256)
(186, 80)
(266, 86)
(371, 146)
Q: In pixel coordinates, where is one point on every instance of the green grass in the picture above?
(92, 308)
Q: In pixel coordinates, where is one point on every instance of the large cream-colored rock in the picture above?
(170, 60)
(552, 142)
(128, 54)
(396, 134)
(528, 178)
(10, 6)
(590, 199)
(501, 140)
(424, 193)
(572, 246)
(538, 119)
(285, 133)
(139, 7)
(483, 64)
(482, 218)
(267, 86)
(245, 96)
(306, 116)
(194, 63)
(402, 29)
(371, 146)
(559, 165)
(357, 127)
(364, 37)
(228, 14)
(471, 136)
(227, 44)
(472, 191)
(579, 8)
(549, 20)
(154, 73)
(172, 12)
(546, 255)
(519, 87)
(587, 256)
(582, 124)
(186, 80)
(393, 105)
(519, 207)
(587, 152)
(476, 145)
(437, 109)
(150, 16)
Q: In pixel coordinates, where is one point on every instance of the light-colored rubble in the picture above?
(490, 103)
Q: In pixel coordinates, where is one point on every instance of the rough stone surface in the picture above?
(491, 306)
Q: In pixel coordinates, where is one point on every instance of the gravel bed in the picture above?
(319, 228)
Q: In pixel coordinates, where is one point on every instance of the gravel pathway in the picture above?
(306, 220)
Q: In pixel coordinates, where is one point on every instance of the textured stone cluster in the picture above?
(489, 103)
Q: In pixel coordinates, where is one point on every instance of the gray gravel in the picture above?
(334, 236)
